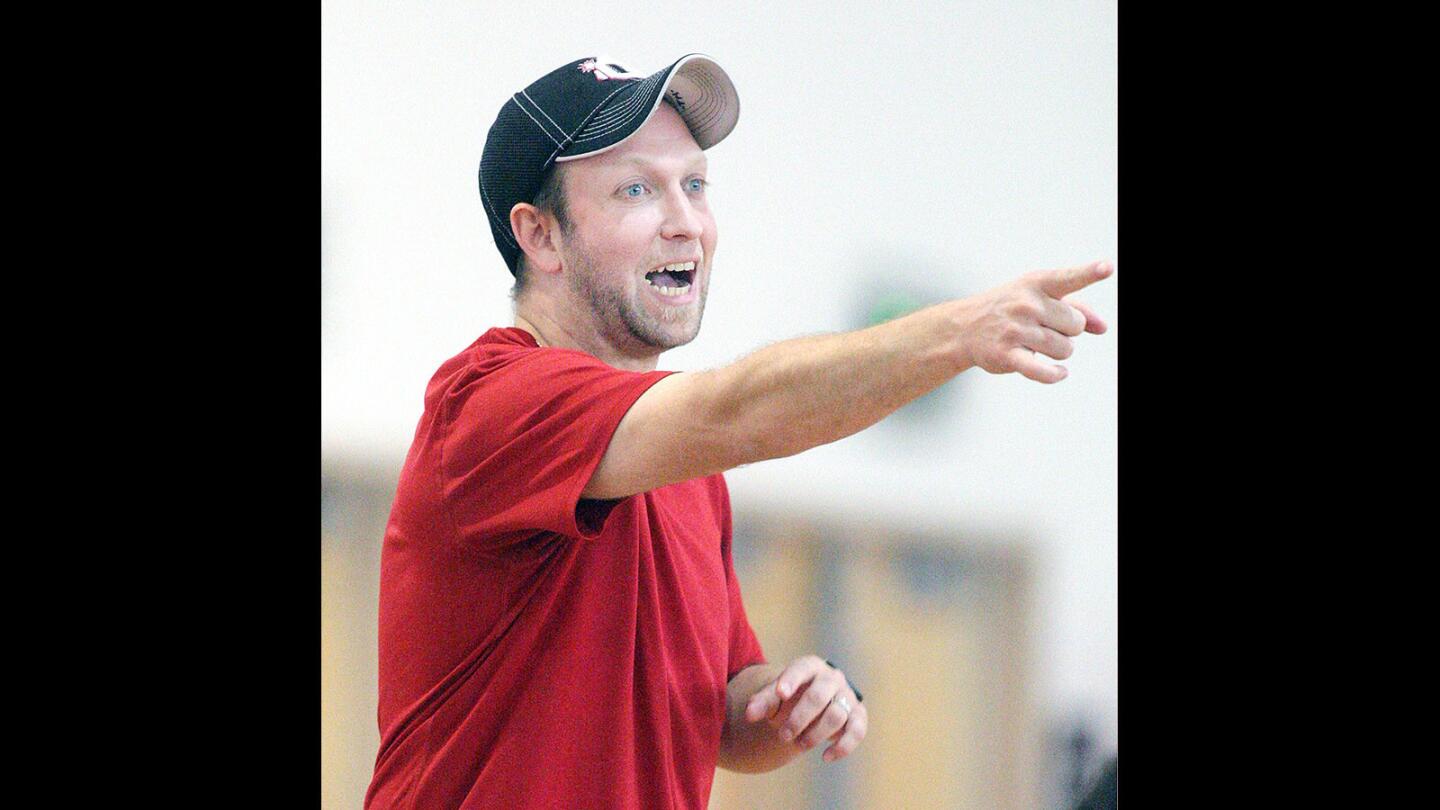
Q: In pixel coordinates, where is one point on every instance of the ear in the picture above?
(537, 233)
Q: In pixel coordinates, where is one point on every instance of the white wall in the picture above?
(955, 145)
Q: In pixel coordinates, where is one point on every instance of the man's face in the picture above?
(642, 237)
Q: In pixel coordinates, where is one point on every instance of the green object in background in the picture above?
(890, 305)
(881, 305)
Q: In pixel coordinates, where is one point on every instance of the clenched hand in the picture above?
(805, 705)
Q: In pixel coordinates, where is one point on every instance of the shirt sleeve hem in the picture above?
(601, 509)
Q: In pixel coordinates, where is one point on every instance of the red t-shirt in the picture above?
(536, 649)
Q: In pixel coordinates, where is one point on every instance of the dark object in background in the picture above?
(1105, 791)
(1078, 746)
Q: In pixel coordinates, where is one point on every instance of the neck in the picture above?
(561, 333)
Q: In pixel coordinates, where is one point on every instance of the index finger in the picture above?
(1060, 283)
(768, 699)
(800, 672)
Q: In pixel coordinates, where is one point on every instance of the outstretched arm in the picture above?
(802, 393)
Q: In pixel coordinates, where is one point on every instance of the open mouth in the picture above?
(672, 279)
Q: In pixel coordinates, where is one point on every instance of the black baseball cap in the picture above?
(584, 108)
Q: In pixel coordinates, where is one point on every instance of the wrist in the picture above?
(956, 322)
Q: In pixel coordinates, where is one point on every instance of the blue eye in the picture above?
(634, 190)
(698, 184)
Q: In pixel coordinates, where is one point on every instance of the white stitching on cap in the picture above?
(558, 128)
(624, 108)
(615, 126)
(521, 107)
(607, 147)
(631, 110)
(634, 106)
(606, 130)
(586, 119)
(570, 136)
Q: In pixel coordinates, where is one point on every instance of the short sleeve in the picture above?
(523, 435)
(744, 646)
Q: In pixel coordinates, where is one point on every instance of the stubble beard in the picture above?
(675, 327)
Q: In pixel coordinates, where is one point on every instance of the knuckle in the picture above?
(832, 717)
(813, 737)
(828, 724)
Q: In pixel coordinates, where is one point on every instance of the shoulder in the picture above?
(501, 356)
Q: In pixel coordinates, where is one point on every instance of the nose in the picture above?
(682, 220)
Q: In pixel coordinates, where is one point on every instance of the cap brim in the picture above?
(700, 90)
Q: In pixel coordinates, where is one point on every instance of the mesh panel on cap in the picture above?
(511, 169)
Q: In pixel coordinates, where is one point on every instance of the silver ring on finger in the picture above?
(839, 700)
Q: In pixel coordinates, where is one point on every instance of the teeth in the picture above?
(671, 291)
(677, 267)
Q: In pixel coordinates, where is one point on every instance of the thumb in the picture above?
(762, 705)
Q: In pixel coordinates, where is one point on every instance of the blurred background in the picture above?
(959, 558)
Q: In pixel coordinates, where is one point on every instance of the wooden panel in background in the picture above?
(776, 566)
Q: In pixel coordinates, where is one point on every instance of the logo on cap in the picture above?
(603, 69)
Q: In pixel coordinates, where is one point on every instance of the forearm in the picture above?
(802, 393)
(805, 392)
(751, 747)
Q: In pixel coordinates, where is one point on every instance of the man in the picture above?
(560, 623)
